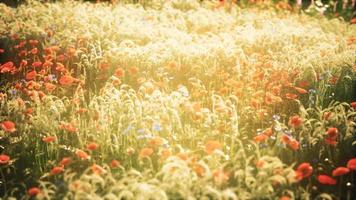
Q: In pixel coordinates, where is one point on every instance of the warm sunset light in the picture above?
(177, 99)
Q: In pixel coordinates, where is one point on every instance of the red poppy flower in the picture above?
(4, 159)
(8, 126)
(304, 170)
(260, 138)
(70, 127)
(31, 75)
(47, 64)
(224, 90)
(284, 197)
(332, 133)
(199, 170)
(133, 70)
(165, 153)
(50, 87)
(353, 104)
(254, 103)
(82, 154)
(7, 67)
(300, 90)
(65, 161)
(22, 53)
(104, 66)
(29, 111)
(114, 164)
(326, 180)
(36, 64)
(276, 90)
(61, 58)
(33, 191)
(82, 110)
(92, 146)
(71, 51)
(57, 170)
(340, 171)
(119, 72)
(116, 81)
(291, 96)
(97, 169)
(146, 152)
(268, 132)
(327, 115)
(2, 50)
(33, 42)
(294, 144)
(183, 155)
(259, 75)
(271, 98)
(34, 51)
(18, 86)
(285, 138)
(351, 164)
(295, 121)
(48, 139)
(259, 163)
(211, 146)
(333, 80)
(220, 176)
(22, 43)
(66, 80)
(156, 142)
(60, 67)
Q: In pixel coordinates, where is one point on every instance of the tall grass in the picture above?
(179, 93)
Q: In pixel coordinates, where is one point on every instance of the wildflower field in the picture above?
(177, 99)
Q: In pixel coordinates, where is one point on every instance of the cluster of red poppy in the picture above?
(39, 71)
(305, 170)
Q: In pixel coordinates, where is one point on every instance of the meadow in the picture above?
(177, 99)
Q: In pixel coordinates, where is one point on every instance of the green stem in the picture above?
(4, 180)
(340, 185)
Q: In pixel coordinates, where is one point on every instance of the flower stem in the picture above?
(4, 180)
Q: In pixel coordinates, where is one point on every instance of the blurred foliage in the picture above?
(330, 8)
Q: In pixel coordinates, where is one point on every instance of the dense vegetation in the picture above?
(176, 100)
